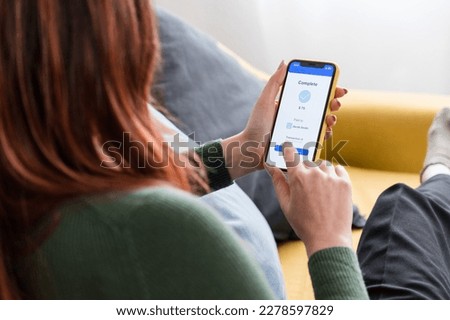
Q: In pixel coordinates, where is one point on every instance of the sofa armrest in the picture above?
(384, 130)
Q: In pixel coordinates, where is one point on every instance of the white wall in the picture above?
(401, 45)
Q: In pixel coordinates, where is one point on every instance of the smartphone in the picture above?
(304, 103)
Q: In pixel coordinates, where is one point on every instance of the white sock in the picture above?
(433, 170)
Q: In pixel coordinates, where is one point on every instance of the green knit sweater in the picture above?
(161, 243)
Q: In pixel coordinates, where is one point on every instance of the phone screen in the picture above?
(302, 108)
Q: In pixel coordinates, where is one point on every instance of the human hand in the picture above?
(247, 155)
(316, 200)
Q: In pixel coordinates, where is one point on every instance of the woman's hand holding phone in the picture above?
(316, 200)
(244, 152)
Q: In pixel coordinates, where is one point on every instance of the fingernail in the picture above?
(345, 91)
(281, 64)
(334, 117)
(287, 145)
(339, 103)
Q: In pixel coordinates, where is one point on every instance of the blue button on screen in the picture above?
(300, 151)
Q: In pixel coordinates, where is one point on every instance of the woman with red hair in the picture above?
(83, 218)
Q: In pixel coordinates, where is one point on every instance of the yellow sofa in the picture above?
(386, 134)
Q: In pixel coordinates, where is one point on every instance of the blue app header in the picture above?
(327, 70)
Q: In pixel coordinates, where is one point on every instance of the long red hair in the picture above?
(73, 76)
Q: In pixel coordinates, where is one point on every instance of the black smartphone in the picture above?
(304, 103)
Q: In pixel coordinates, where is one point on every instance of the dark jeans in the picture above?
(404, 250)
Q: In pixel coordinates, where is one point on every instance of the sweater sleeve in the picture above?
(336, 275)
(212, 157)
